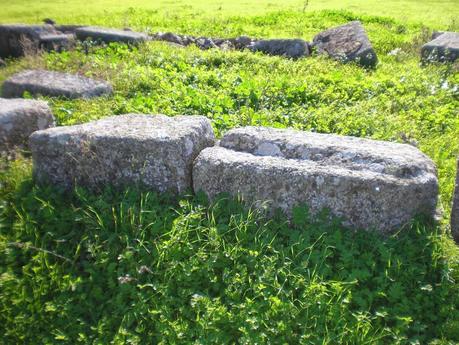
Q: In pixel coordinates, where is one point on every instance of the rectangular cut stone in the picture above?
(455, 209)
(13, 36)
(370, 184)
(110, 35)
(444, 47)
(19, 118)
(55, 84)
(155, 151)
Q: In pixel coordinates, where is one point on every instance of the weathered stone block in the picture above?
(445, 47)
(455, 209)
(346, 43)
(55, 84)
(15, 39)
(370, 184)
(19, 118)
(293, 48)
(155, 151)
(110, 35)
(56, 42)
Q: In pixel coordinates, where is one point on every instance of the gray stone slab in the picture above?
(19, 118)
(56, 42)
(347, 43)
(370, 184)
(15, 39)
(154, 151)
(107, 35)
(445, 47)
(55, 84)
(455, 208)
(293, 48)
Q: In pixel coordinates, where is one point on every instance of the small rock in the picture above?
(444, 48)
(293, 48)
(455, 208)
(19, 118)
(153, 151)
(182, 40)
(346, 43)
(110, 35)
(205, 43)
(49, 21)
(2, 63)
(55, 84)
(242, 42)
(370, 184)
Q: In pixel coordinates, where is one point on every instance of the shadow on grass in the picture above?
(131, 266)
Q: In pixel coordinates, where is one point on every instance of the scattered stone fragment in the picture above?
(2, 63)
(293, 48)
(155, 151)
(19, 118)
(205, 43)
(455, 209)
(182, 40)
(346, 43)
(369, 184)
(443, 48)
(49, 21)
(55, 84)
(17, 39)
(110, 35)
(242, 42)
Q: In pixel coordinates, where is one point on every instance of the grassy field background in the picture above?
(437, 13)
(135, 267)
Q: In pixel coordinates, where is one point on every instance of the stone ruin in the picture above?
(154, 151)
(369, 184)
(19, 118)
(54, 84)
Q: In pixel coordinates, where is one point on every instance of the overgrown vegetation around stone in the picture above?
(134, 267)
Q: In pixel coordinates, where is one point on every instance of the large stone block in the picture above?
(455, 209)
(370, 184)
(19, 118)
(110, 35)
(293, 48)
(17, 39)
(155, 151)
(55, 84)
(346, 43)
(444, 47)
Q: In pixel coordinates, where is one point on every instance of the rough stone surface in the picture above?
(293, 48)
(68, 28)
(182, 40)
(110, 35)
(16, 39)
(19, 118)
(346, 43)
(155, 151)
(370, 184)
(56, 42)
(445, 47)
(455, 209)
(49, 83)
(242, 42)
(205, 43)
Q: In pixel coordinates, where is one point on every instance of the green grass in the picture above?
(135, 267)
